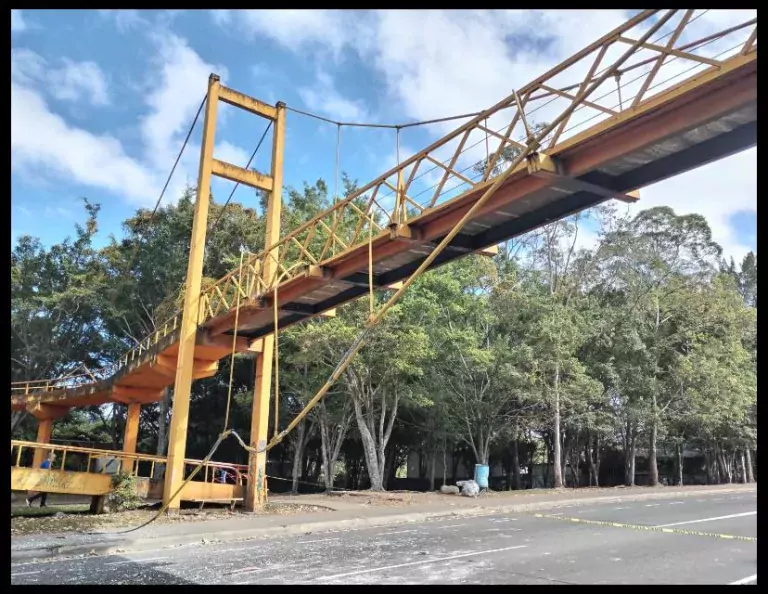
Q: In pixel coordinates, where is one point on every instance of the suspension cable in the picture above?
(390, 126)
(234, 344)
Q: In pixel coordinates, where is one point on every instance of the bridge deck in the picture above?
(709, 116)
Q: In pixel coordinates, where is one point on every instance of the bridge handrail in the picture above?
(359, 211)
(122, 456)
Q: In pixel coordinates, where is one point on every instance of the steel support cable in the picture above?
(390, 126)
(234, 344)
(373, 322)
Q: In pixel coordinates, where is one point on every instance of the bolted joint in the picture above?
(213, 78)
(280, 105)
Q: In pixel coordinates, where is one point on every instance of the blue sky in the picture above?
(101, 100)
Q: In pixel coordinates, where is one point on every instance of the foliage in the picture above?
(641, 345)
(122, 496)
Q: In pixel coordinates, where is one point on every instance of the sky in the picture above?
(101, 101)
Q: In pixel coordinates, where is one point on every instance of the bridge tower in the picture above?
(185, 370)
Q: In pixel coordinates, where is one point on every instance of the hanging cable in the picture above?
(247, 165)
(336, 169)
(277, 363)
(370, 268)
(234, 343)
(391, 126)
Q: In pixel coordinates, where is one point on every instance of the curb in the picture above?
(151, 544)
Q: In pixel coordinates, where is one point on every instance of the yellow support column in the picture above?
(131, 435)
(177, 442)
(256, 494)
(44, 431)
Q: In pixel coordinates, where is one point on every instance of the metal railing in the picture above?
(77, 459)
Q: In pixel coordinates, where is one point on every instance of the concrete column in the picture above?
(44, 430)
(131, 435)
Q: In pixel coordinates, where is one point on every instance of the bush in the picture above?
(123, 495)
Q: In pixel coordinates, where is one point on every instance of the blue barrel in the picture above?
(481, 475)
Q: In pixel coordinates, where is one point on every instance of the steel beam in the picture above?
(247, 103)
(131, 435)
(256, 493)
(177, 443)
(243, 176)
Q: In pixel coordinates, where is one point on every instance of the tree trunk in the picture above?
(298, 455)
(445, 458)
(516, 463)
(432, 469)
(633, 458)
(743, 468)
(629, 463)
(372, 458)
(680, 461)
(653, 468)
(750, 476)
(597, 460)
(556, 430)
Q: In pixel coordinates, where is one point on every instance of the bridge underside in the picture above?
(633, 151)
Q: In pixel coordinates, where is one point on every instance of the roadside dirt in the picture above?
(75, 518)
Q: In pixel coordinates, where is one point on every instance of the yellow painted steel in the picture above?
(44, 431)
(256, 495)
(57, 481)
(533, 142)
(177, 442)
(131, 434)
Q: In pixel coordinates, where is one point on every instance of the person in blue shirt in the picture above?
(46, 465)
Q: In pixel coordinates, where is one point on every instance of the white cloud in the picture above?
(324, 98)
(73, 81)
(182, 82)
(295, 29)
(437, 63)
(221, 17)
(18, 24)
(125, 19)
(43, 143)
(717, 191)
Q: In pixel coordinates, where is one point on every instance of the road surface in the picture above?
(551, 548)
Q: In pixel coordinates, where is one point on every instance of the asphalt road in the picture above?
(500, 549)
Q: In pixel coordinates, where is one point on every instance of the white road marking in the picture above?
(317, 540)
(752, 513)
(652, 504)
(677, 503)
(412, 563)
(618, 508)
(743, 581)
(399, 532)
(250, 570)
(493, 530)
(557, 514)
(25, 573)
(135, 561)
(450, 526)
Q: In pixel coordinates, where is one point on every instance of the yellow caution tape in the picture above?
(648, 528)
